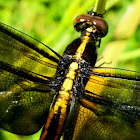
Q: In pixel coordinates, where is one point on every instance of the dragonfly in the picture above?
(66, 95)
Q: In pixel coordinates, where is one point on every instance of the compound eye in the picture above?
(85, 21)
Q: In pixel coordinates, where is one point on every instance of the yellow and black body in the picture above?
(82, 55)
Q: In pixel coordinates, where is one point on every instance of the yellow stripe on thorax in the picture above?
(82, 46)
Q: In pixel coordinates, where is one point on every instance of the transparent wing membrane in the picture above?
(110, 107)
(115, 85)
(26, 67)
(20, 50)
(23, 104)
(106, 126)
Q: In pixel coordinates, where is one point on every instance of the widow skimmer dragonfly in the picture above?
(87, 102)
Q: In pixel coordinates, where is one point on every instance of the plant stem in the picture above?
(100, 6)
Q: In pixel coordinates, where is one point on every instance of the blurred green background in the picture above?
(51, 22)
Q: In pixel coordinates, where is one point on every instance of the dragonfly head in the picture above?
(92, 23)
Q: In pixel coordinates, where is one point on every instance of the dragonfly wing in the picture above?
(115, 85)
(26, 68)
(110, 108)
(20, 50)
(110, 125)
(24, 104)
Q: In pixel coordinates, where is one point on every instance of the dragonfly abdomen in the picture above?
(55, 123)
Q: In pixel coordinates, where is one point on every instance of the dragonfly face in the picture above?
(86, 102)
